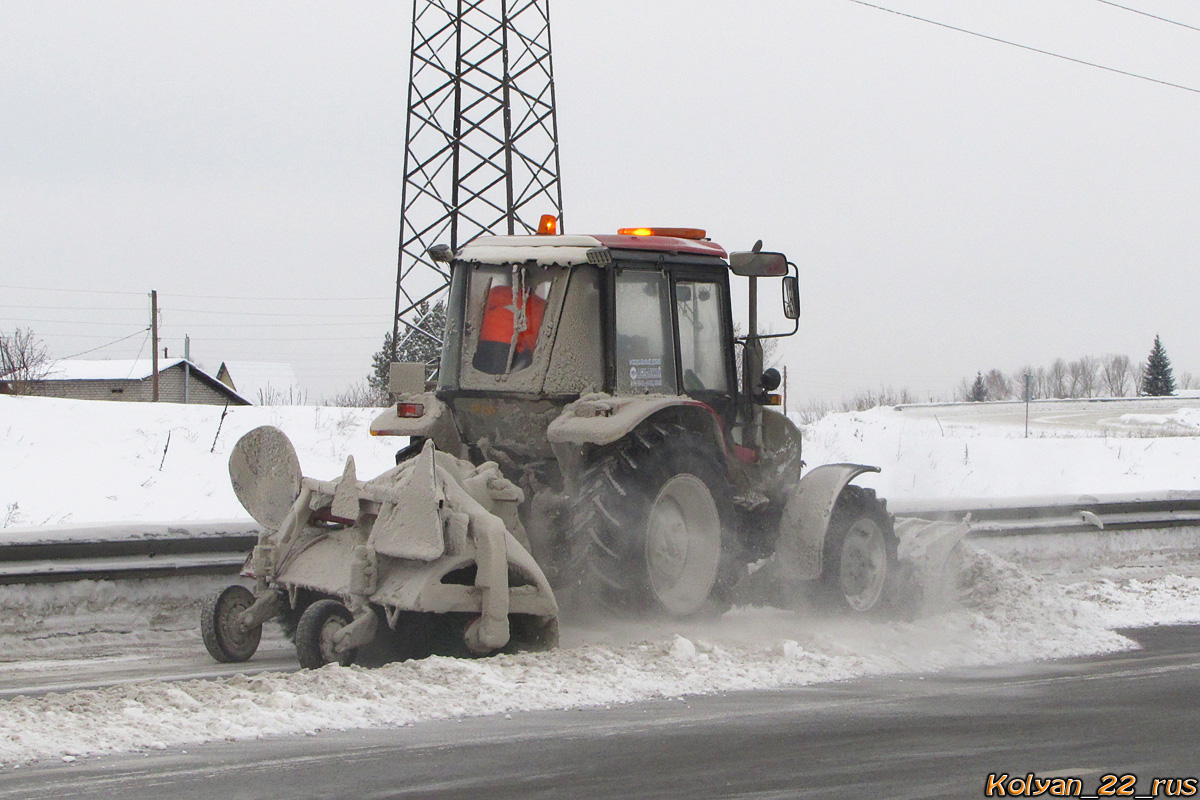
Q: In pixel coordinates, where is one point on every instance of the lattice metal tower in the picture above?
(481, 152)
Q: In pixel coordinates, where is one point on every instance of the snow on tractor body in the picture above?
(590, 431)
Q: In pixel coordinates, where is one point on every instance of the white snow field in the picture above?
(76, 462)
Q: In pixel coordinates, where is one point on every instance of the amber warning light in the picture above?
(548, 226)
(679, 233)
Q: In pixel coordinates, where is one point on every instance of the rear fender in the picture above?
(436, 423)
(602, 419)
(806, 516)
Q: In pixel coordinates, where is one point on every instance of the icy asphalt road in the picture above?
(937, 735)
(113, 667)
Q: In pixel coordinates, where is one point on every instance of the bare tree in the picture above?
(1056, 379)
(962, 394)
(1027, 375)
(1082, 376)
(357, 395)
(1139, 375)
(1116, 374)
(1039, 383)
(23, 360)
(999, 386)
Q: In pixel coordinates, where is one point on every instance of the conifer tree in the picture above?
(979, 392)
(414, 346)
(1158, 380)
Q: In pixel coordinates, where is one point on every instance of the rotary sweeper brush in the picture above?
(423, 559)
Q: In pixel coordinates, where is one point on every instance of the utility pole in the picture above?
(187, 367)
(1027, 398)
(154, 344)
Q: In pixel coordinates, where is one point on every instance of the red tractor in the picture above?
(599, 373)
(588, 437)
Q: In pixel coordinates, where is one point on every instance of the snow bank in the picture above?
(923, 458)
(75, 461)
(79, 462)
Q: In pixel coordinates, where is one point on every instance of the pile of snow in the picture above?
(1185, 421)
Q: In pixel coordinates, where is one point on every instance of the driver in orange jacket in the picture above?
(496, 331)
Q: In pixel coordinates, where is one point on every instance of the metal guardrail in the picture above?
(47, 555)
(1088, 514)
(108, 552)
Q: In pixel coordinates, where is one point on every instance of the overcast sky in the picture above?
(954, 204)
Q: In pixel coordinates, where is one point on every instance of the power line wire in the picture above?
(115, 341)
(56, 289)
(208, 325)
(1148, 14)
(292, 314)
(79, 322)
(254, 339)
(140, 350)
(72, 308)
(175, 309)
(1028, 47)
(321, 299)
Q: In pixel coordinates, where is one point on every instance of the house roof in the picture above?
(107, 370)
(258, 380)
(129, 370)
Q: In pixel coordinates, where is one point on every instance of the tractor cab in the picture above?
(537, 322)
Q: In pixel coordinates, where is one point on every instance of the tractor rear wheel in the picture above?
(860, 552)
(655, 510)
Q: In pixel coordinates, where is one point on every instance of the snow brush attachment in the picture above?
(429, 557)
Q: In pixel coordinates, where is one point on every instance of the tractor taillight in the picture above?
(679, 233)
(410, 410)
(548, 226)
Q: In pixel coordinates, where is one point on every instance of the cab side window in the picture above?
(702, 348)
(645, 353)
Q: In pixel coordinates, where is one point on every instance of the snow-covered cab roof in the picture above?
(566, 251)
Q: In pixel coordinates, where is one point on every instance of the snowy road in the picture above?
(174, 661)
(937, 735)
(92, 671)
(1111, 417)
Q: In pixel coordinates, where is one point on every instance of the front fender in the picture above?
(806, 516)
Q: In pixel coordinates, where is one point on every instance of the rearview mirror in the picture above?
(758, 265)
(791, 297)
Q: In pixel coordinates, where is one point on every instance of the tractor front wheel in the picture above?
(860, 552)
(225, 638)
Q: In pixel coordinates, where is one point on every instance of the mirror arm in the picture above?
(796, 321)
